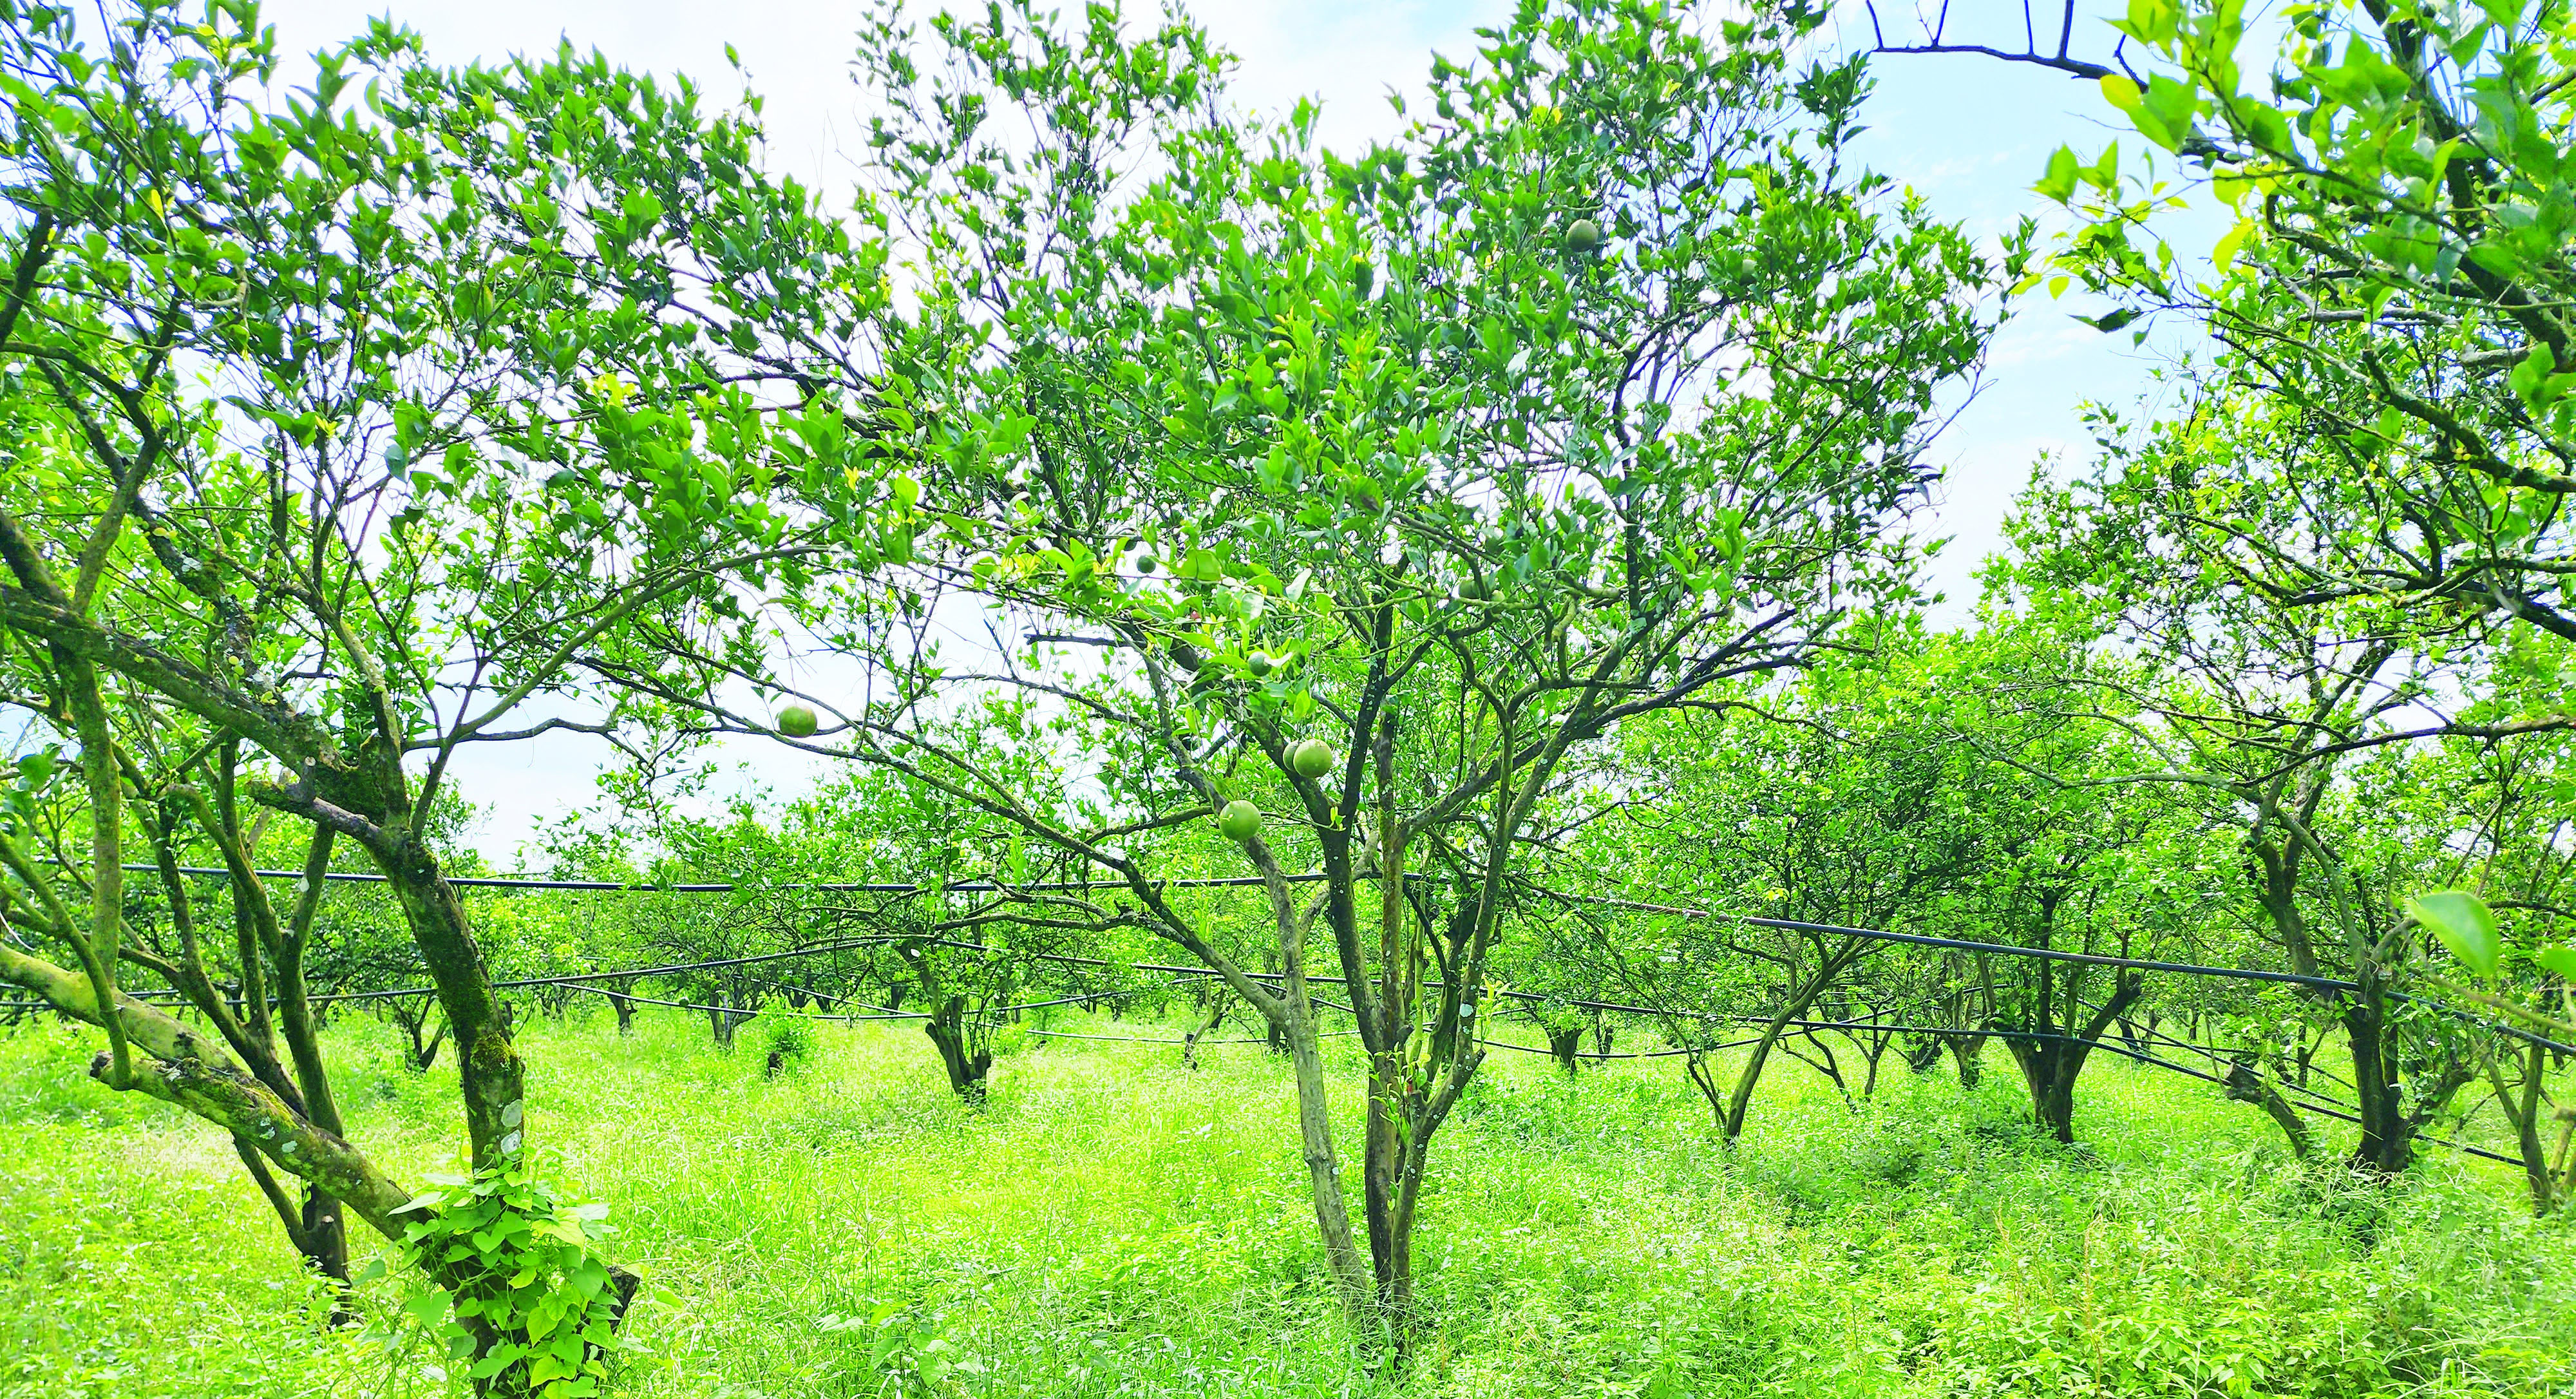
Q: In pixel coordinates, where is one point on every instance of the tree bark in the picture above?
(2050, 1066)
(2387, 1139)
(2523, 1109)
(2246, 1084)
(968, 1064)
(1795, 1008)
(1969, 1053)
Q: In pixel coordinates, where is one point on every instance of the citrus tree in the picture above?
(1834, 803)
(341, 431)
(1346, 501)
(2263, 716)
(2391, 278)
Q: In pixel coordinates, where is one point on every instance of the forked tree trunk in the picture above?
(414, 1018)
(1875, 1047)
(2050, 1065)
(1803, 996)
(969, 1064)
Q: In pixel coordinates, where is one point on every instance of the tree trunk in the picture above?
(489, 1071)
(1564, 1045)
(2245, 1084)
(414, 1018)
(1969, 1053)
(1391, 1108)
(1215, 1010)
(323, 1237)
(2050, 1065)
(968, 1064)
(1315, 1138)
(1741, 1100)
(2387, 1139)
(2523, 1109)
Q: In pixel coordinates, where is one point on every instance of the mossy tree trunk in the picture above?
(2248, 1084)
(2052, 1054)
(1832, 958)
(1565, 1045)
(962, 1053)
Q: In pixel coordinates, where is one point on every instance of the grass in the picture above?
(1117, 1224)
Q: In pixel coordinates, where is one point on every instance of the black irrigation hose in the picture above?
(1142, 1039)
(602, 886)
(1249, 881)
(749, 1011)
(580, 984)
(2090, 959)
(1625, 1054)
(2510, 1031)
(746, 1012)
(2155, 1035)
(2327, 983)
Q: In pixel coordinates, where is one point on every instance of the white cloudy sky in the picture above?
(1968, 133)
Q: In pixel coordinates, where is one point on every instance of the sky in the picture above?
(1967, 133)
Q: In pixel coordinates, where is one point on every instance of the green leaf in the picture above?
(2465, 925)
(2063, 170)
(429, 1308)
(2559, 958)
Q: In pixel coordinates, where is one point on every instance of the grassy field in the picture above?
(1117, 1224)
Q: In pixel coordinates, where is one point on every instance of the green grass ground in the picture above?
(1117, 1224)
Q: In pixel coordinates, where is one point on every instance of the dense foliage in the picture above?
(1404, 605)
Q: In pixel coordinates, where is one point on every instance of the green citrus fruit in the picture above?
(1259, 663)
(1239, 822)
(796, 721)
(1311, 758)
(1582, 235)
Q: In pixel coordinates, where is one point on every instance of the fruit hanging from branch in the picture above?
(1311, 758)
(797, 721)
(1582, 236)
(1239, 822)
